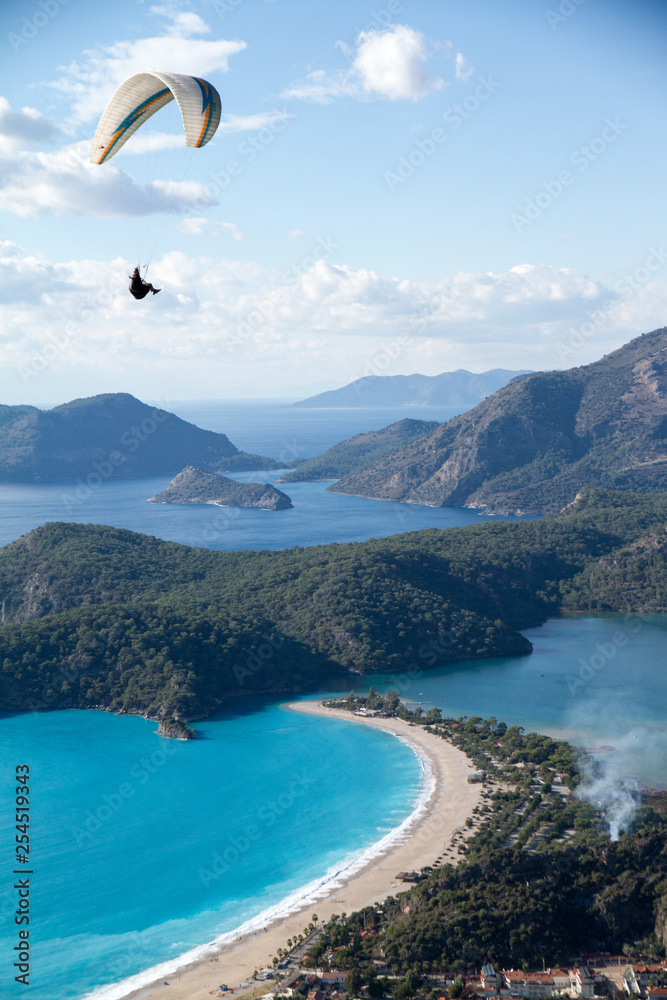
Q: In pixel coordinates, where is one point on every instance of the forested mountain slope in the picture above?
(97, 616)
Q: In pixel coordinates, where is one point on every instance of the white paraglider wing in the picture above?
(141, 95)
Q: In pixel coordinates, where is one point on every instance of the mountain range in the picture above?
(460, 387)
(532, 445)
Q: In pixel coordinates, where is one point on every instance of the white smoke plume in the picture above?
(617, 798)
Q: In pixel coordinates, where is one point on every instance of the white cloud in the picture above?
(462, 68)
(183, 23)
(199, 225)
(64, 182)
(392, 64)
(388, 63)
(25, 127)
(219, 321)
(89, 84)
(296, 234)
(253, 123)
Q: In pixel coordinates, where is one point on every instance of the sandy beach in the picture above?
(452, 800)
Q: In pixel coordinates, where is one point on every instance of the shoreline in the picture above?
(445, 801)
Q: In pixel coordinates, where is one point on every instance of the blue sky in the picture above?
(398, 187)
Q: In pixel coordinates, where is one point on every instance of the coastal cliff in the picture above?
(193, 485)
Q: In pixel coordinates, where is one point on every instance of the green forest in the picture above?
(101, 617)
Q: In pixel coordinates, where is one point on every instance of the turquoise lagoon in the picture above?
(145, 848)
(126, 825)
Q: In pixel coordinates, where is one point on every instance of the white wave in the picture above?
(332, 880)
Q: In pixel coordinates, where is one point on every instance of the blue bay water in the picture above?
(126, 827)
(596, 680)
(276, 430)
(130, 895)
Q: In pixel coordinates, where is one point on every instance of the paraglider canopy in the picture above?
(141, 95)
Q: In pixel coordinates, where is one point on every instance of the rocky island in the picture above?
(193, 485)
(175, 729)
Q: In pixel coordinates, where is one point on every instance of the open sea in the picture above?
(145, 849)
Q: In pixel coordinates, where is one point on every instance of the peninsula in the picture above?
(100, 617)
(360, 451)
(193, 485)
(110, 436)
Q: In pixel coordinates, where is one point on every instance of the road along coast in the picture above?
(446, 801)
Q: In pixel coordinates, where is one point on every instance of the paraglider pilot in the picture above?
(139, 287)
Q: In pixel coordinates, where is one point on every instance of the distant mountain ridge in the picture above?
(460, 387)
(110, 435)
(531, 446)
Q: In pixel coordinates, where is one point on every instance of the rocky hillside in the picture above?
(107, 436)
(360, 451)
(196, 486)
(535, 443)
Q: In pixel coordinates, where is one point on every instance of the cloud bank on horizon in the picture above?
(267, 265)
(219, 316)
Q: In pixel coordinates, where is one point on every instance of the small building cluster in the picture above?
(577, 982)
(602, 977)
(315, 986)
(649, 981)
